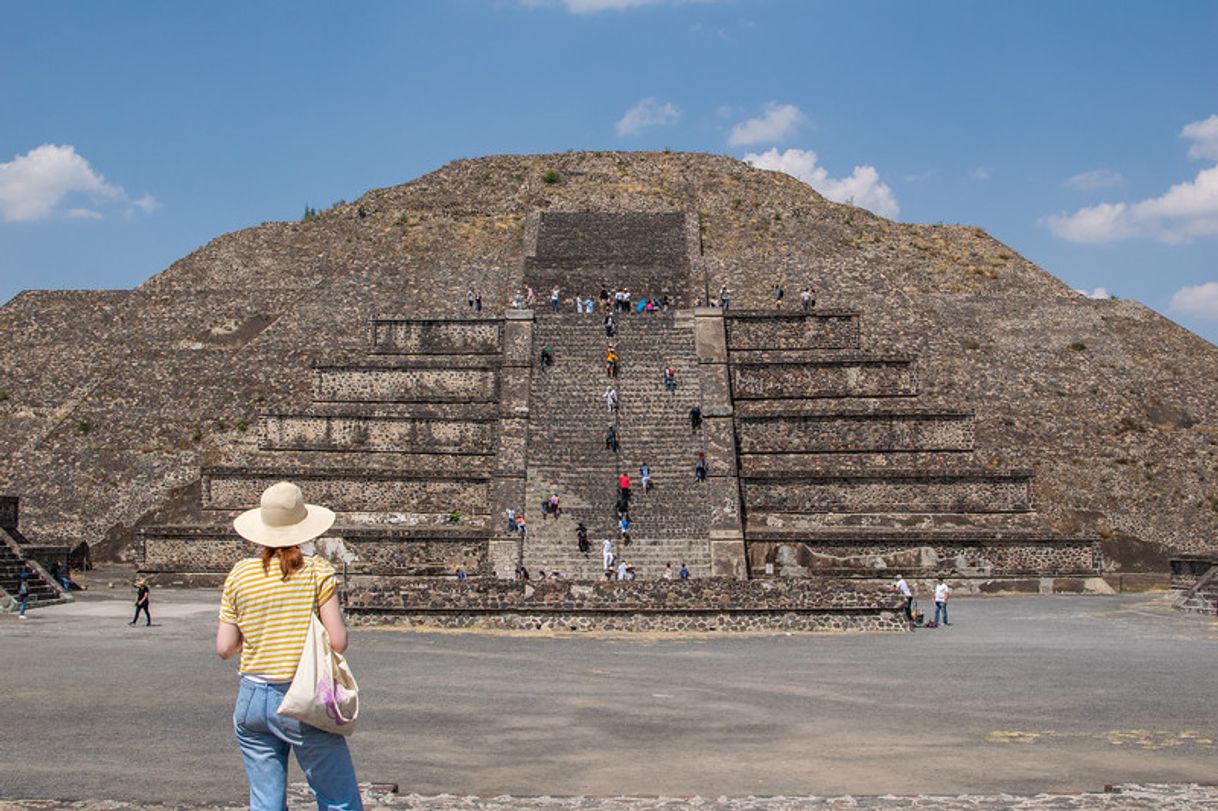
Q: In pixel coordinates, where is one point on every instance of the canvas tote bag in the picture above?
(323, 693)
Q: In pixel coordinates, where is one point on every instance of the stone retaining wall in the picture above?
(766, 330)
(832, 377)
(350, 491)
(382, 385)
(963, 558)
(377, 434)
(894, 491)
(855, 433)
(435, 337)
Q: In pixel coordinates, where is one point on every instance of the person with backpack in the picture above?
(23, 595)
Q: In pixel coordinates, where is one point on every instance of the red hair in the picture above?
(290, 559)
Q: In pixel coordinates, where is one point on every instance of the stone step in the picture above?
(777, 330)
(351, 490)
(474, 336)
(855, 433)
(891, 490)
(377, 434)
(323, 460)
(891, 520)
(372, 384)
(844, 376)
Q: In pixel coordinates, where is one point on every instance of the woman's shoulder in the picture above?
(323, 567)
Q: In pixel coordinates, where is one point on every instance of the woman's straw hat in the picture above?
(283, 519)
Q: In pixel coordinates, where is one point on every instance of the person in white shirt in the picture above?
(942, 592)
(905, 591)
(607, 553)
(621, 570)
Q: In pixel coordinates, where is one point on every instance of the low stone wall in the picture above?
(716, 603)
(405, 385)
(836, 329)
(830, 433)
(1186, 570)
(419, 552)
(899, 491)
(350, 491)
(844, 377)
(389, 433)
(926, 558)
(437, 337)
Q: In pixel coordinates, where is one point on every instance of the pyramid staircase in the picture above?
(15, 561)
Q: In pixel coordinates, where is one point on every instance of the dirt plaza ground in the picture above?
(1021, 695)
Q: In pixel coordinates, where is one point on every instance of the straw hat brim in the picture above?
(249, 525)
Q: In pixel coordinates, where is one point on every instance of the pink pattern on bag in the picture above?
(330, 695)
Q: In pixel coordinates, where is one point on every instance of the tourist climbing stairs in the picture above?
(12, 566)
(568, 421)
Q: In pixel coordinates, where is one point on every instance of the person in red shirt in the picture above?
(623, 484)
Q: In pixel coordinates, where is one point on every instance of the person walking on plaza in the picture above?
(942, 592)
(607, 553)
(142, 599)
(23, 595)
(903, 588)
(265, 615)
(695, 419)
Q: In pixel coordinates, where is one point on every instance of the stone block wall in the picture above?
(770, 331)
(437, 337)
(928, 556)
(830, 377)
(717, 603)
(852, 433)
(405, 385)
(891, 491)
(377, 433)
(350, 490)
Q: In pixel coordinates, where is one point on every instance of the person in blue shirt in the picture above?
(684, 572)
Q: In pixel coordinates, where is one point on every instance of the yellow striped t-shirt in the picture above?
(273, 614)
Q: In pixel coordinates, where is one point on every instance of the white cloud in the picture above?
(1185, 211)
(1095, 179)
(980, 173)
(647, 113)
(1204, 137)
(777, 123)
(862, 187)
(1099, 292)
(918, 177)
(1200, 300)
(33, 185)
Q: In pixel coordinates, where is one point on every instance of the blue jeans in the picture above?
(25, 601)
(266, 737)
(941, 608)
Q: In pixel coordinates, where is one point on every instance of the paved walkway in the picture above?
(1128, 797)
(1020, 695)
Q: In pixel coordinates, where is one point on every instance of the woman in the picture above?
(142, 599)
(264, 616)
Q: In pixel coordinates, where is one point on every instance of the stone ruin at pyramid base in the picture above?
(841, 442)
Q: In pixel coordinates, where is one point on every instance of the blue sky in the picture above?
(1084, 134)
